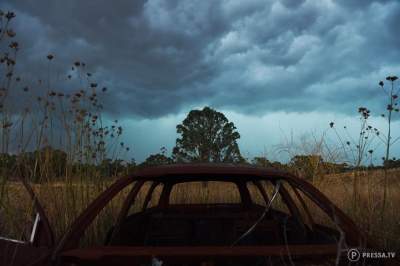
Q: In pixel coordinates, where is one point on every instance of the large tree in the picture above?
(207, 136)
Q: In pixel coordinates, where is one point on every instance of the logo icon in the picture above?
(353, 254)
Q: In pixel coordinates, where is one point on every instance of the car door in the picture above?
(36, 248)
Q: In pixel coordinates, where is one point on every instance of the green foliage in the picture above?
(207, 136)
(51, 164)
(261, 161)
(392, 163)
(264, 162)
(157, 159)
(110, 168)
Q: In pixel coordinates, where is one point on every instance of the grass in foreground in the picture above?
(64, 201)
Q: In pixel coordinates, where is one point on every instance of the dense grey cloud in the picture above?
(161, 57)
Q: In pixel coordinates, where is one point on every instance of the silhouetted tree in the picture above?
(157, 159)
(207, 136)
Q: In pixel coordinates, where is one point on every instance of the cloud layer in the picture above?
(252, 57)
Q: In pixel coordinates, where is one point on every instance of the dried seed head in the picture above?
(14, 45)
(10, 15)
(391, 78)
(7, 125)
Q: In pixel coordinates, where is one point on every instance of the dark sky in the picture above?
(271, 66)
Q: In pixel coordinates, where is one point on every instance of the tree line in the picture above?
(205, 136)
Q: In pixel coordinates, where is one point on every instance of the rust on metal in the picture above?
(262, 190)
(172, 174)
(206, 230)
(126, 206)
(75, 232)
(164, 198)
(201, 230)
(278, 250)
(304, 205)
(244, 193)
(149, 195)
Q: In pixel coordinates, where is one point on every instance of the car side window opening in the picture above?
(258, 194)
(317, 215)
(147, 197)
(320, 227)
(279, 203)
(153, 196)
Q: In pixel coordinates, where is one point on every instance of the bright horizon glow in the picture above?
(260, 135)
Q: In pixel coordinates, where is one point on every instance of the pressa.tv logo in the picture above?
(355, 254)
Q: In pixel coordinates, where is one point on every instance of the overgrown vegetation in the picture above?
(60, 140)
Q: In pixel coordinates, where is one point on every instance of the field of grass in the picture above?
(63, 201)
(365, 206)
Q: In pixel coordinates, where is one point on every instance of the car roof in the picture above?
(209, 171)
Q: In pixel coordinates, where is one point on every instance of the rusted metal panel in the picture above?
(304, 205)
(172, 174)
(126, 206)
(22, 254)
(205, 172)
(279, 250)
(164, 197)
(244, 193)
(168, 176)
(72, 236)
(262, 191)
(149, 195)
(354, 236)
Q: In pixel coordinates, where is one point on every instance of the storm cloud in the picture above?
(161, 57)
(271, 66)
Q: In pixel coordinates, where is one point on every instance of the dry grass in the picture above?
(383, 226)
(64, 201)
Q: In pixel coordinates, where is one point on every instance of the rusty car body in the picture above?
(243, 233)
